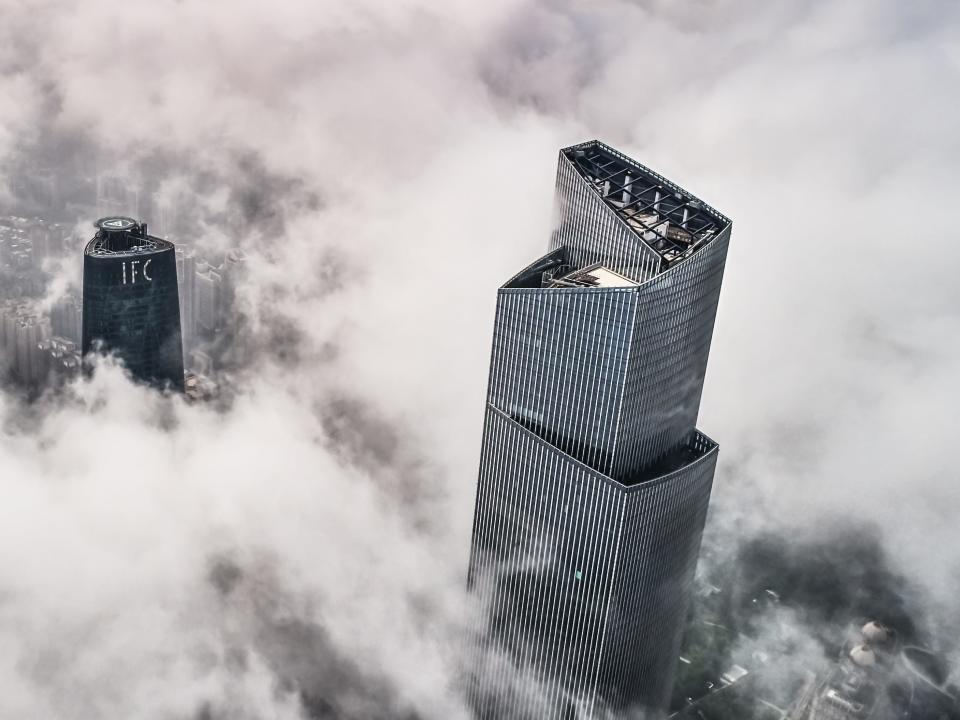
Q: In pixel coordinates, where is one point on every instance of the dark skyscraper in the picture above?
(130, 303)
(594, 481)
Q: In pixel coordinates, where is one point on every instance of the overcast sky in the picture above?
(386, 165)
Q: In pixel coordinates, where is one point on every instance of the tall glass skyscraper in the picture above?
(594, 481)
(130, 301)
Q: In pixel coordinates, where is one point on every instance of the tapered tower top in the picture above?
(117, 235)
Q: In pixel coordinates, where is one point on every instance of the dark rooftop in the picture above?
(123, 236)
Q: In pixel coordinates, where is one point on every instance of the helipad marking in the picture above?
(117, 224)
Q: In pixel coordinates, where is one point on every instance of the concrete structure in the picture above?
(21, 333)
(187, 284)
(208, 299)
(594, 481)
(60, 359)
(66, 318)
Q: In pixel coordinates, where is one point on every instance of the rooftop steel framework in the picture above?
(663, 215)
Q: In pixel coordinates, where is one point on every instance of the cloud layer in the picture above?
(386, 165)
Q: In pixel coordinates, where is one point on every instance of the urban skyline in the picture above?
(613, 213)
(347, 185)
(607, 202)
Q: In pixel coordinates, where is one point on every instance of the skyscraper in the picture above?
(187, 284)
(208, 286)
(130, 304)
(594, 481)
(66, 318)
(21, 332)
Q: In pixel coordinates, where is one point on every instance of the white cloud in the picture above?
(406, 150)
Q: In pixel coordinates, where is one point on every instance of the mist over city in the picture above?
(291, 532)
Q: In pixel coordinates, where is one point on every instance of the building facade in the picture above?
(22, 331)
(594, 481)
(130, 301)
(187, 283)
(66, 318)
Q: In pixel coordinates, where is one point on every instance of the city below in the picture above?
(594, 480)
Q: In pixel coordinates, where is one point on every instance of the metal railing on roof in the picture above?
(665, 216)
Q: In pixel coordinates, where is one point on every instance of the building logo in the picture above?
(134, 266)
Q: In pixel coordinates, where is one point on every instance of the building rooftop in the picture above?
(595, 276)
(123, 236)
(663, 215)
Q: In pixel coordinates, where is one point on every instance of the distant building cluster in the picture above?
(40, 348)
(26, 243)
(23, 333)
(207, 292)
